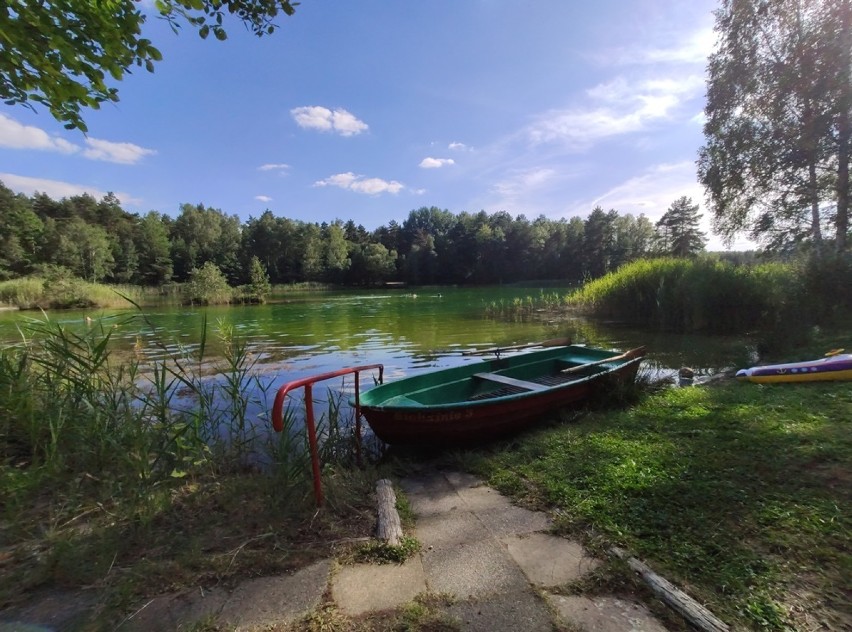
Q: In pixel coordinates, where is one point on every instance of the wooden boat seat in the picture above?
(510, 381)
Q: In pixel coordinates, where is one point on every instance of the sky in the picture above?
(369, 110)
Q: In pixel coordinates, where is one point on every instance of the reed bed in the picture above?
(70, 292)
(682, 295)
(523, 309)
(112, 461)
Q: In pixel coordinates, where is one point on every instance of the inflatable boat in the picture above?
(835, 366)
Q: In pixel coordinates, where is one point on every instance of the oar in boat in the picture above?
(627, 355)
(553, 342)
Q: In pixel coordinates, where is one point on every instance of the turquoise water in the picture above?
(406, 331)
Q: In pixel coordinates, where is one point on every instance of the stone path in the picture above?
(493, 562)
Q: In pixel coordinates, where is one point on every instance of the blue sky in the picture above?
(368, 110)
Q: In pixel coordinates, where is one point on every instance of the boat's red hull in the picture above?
(466, 424)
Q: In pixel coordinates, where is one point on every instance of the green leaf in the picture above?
(178, 474)
(220, 34)
(204, 31)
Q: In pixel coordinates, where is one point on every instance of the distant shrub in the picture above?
(207, 285)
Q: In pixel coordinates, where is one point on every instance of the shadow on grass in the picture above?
(205, 533)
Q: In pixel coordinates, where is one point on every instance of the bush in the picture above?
(207, 285)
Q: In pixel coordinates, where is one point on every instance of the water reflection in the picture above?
(324, 332)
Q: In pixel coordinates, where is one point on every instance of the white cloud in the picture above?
(263, 198)
(121, 153)
(57, 190)
(436, 163)
(618, 107)
(320, 118)
(457, 146)
(18, 136)
(374, 186)
(280, 167)
(360, 184)
(652, 192)
(15, 135)
(523, 182)
(691, 49)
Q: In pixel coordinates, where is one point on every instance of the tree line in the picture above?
(775, 163)
(99, 241)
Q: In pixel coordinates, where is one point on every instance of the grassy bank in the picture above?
(65, 292)
(135, 479)
(739, 493)
(70, 292)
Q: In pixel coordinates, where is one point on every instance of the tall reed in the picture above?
(689, 295)
(80, 420)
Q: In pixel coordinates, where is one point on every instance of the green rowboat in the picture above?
(494, 397)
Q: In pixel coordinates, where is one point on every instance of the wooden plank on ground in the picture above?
(686, 606)
(389, 527)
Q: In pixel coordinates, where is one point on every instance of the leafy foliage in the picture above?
(259, 287)
(776, 160)
(99, 240)
(63, 53)
(208, 285)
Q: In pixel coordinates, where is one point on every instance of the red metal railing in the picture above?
(308, 383)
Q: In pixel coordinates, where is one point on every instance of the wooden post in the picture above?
(389, 527)
(686, 606)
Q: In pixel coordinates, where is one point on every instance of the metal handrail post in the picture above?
(312, 441)
(307, 383)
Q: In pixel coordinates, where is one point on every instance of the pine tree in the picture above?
(677, 230)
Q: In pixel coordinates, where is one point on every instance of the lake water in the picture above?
(408, 332)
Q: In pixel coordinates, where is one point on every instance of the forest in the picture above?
(100, 242)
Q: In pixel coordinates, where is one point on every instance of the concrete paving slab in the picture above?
(483, 498)
(430, 495)
(370, 587)
(462, 480)
(169, 612)
(513, 520)
(282, 599)
(605, 614)
(521, 611)
(450, 529)
(548, 560)
(50, 610)
(472, 570)
(432, 482)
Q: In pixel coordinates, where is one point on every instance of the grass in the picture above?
(523, 309)
(133, 479)
(741, 494)
(425, 613)
(60, 292)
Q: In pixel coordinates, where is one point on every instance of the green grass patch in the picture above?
(376, 552)
(740, 493)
